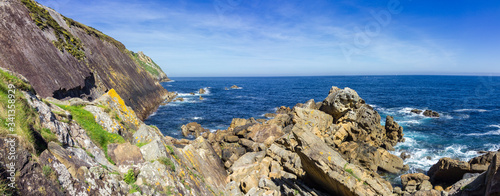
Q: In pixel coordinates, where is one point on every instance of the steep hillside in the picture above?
(149, 65)
(63, 58)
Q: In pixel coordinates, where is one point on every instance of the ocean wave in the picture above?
(171, 81)
(422, 158)
(471, 110)
(407, 122)
(492, 147)
(197, 118)
(494, 132)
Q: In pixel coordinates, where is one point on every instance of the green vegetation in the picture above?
(90, 154)
(96, 33)
(141, 144)
(167, 162)
(149, 68)
(130, 177)
(135, 188)
(65, 40)
(49, 136)
(46, 170)
(95, 131)
(172, 152)
(5, 189)
(465, 187)
(17, 117)
(348, 170)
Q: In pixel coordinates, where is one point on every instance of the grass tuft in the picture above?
(95, 131)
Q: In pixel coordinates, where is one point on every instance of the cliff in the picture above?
(150, 66)
(63, 58)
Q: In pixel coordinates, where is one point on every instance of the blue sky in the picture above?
(300, 38)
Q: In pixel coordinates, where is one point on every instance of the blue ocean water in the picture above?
(469, 108)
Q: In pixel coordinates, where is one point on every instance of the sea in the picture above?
(469, 107)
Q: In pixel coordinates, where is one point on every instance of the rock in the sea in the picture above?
(235, 87)
(430, 113)
(394, 131)
(416, 111)
(201, 98)
(202, 91)
(193, 128)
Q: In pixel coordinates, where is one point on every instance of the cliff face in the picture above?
(62, 58)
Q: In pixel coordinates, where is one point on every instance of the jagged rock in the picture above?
(235, 87)
(70, 161)
(125, 154)
(145, 134)
(153, 150)
(204, 159)
(415, 182)
(288, 159)
(193, 128)
(449, 171)
(236, 122)
(481, 163)
(48, 120)
(281, 120)
(202, 91)
(340, 101)
(493, 176)
(270, 115)
(405, 155)
(329, 170)
(308, 105)
(260, 133)
(430, 113)
(370, 157)
(394, 131)
(416, 111)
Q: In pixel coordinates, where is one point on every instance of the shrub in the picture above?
(167, 162)
(130, 177)
(46, 170)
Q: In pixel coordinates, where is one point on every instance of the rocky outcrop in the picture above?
(417, 182)
(85, 64)
(193, 128)
(448, 171)
(430, 113)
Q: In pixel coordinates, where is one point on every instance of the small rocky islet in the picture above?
(86, 135)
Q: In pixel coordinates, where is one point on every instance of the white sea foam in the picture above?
(492, 147)
(471, 110)
(171, 81)
(197, 118)
(494, 132)
(422, 158)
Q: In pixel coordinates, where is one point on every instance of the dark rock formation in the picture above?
(430, 113)
(105, 63)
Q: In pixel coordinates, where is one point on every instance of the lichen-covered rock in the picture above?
(261, 133)
(105, 120)
(153, 150)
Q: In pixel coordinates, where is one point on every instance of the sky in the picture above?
(301, 38)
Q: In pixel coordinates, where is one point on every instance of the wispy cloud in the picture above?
(263, 38)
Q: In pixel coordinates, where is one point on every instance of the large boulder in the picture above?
(448, 171)
(193, 128)
(415, 182)
(326, 167)
(153, 150)
(264, 133)
(125, 154)
(341, 101)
